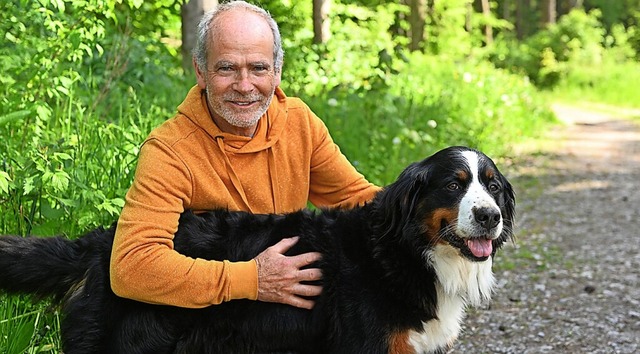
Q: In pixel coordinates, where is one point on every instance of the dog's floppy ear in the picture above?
(396, 203)
(508, 207)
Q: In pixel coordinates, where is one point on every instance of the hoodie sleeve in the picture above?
(334, 182)
(144, 264)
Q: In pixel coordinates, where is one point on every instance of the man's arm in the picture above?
(144, 264)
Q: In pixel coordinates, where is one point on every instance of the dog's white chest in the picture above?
(460, 283)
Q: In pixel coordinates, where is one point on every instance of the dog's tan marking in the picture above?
(399, 344)
(433, 222)
(490, 173)
(462, 175)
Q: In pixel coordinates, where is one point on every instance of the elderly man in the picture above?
(237, 142)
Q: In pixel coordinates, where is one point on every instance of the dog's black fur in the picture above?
(377, 282)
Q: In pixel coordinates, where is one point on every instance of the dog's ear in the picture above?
(508, 209)
(396, 203)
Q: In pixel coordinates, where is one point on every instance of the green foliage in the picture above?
(76, 104)
(547, 56)
(579, 51)
(360, 53)
(609, 84)
(27, 328)
(71, 167)
(430, 104)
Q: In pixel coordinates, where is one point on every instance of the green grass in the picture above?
(28, 328)
(609, 83)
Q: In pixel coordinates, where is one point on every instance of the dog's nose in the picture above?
(488, 218)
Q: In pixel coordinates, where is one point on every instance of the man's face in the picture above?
(240, 78)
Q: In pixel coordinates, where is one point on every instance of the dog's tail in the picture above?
(43, 266)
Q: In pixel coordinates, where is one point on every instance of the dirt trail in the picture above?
(571, 283)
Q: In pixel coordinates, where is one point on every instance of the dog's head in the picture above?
(457, 197)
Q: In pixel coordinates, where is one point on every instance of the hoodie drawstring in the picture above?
(232, 174)
(273, 172)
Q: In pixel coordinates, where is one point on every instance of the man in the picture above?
(237, 142)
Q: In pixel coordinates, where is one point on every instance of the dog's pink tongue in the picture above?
(480, 247)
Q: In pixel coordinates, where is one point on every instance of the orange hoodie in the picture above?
(188, 163)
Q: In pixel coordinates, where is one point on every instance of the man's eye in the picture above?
(260, 70)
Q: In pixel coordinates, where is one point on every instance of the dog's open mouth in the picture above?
(476, 248)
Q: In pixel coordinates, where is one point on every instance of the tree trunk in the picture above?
(564, 7)
(549, 14)
(523, 7)
(191, 13)
(321, 24)
(488, 29)
(417, 19)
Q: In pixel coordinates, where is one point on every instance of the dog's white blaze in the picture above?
(476, 197)
(460, 283)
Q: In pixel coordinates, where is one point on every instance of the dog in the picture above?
(398, 272)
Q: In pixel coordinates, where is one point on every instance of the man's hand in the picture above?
(279, 276)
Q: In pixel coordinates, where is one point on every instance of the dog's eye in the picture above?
(494, 188)
(453, 186)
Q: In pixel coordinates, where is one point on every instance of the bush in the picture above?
(430, 104)
(547, 56)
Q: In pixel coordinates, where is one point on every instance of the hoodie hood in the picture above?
(268, 132)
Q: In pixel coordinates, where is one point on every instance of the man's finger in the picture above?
(307, 290)
(301, 302)
(311, 274)
(305, 259)
(285, 244)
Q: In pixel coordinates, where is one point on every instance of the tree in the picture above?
(488, 29)
(549, 13)
(321, 24)
(192, 12)
(417, 19)
(523, 8)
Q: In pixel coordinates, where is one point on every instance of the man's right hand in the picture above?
(280, 276)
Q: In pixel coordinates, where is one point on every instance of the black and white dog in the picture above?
(398, 272)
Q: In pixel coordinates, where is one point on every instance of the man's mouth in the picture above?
(243, 103)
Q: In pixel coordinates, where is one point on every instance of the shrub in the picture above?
(430, 104)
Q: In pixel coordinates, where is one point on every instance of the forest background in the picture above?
(82, 82)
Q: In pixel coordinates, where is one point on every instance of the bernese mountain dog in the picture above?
(398, 272)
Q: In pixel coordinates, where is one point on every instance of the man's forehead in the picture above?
(242, 25)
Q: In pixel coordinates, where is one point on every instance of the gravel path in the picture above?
(571, 282)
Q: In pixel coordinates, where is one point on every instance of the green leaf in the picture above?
(10, 37)
(60, 180)
(4, 182)
(43, 112)
(28, 185)
(14, 116)
(59, 4)
(62, 156)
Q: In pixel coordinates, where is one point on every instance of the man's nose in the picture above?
(243, 81)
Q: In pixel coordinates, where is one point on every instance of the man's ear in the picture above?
(200, 76)
(278, 77)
